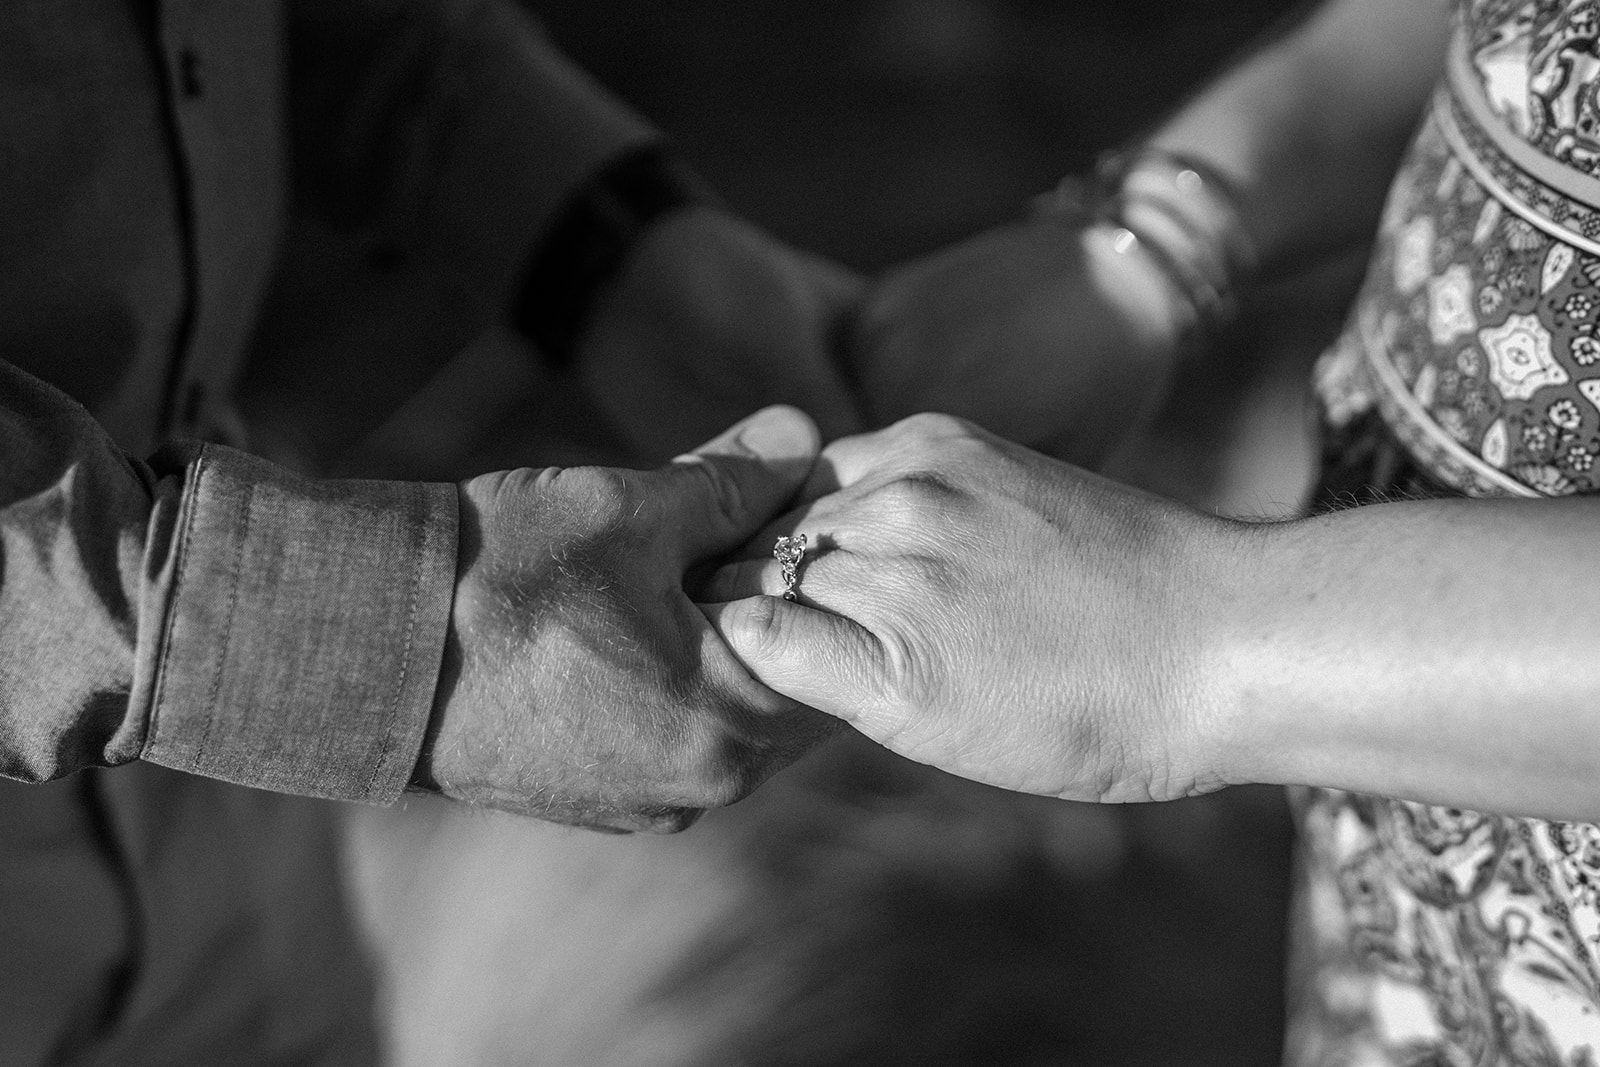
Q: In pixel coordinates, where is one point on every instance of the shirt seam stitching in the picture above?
(215, 691)
(405, 663)
(164, 652)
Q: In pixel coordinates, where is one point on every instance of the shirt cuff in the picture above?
(297, 627)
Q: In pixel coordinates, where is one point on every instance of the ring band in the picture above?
(788, 551)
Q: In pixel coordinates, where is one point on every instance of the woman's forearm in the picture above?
(1020, 622)
(1446, 651)
(1311, 125)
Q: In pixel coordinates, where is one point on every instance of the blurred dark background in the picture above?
(870, 130)
(860, 910)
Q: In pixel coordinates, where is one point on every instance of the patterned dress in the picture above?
(1433, 937)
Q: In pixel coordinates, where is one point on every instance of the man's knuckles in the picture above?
(590, 501)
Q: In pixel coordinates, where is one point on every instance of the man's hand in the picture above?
(581, 684)
(708, 318)
(1037, 330)
(989, 611)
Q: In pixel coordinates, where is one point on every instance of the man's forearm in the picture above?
(1442, 651)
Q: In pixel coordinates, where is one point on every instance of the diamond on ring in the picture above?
(787, 552)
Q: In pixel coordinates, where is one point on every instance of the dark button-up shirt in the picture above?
(188, 604)
(203, 609)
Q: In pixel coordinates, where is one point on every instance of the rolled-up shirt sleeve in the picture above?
(211, 612)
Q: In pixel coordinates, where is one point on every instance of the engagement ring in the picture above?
(787, 552)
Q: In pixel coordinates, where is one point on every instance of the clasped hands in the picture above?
(967, 602)
(979, 607)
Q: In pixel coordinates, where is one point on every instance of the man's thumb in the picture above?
(724, 491)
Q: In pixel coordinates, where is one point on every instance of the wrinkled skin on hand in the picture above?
(992, 612)
(581, 684)
(1037, 330)
(710, 318)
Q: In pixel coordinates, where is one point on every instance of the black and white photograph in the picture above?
(740, 533)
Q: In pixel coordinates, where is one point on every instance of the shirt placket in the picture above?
(222, 66)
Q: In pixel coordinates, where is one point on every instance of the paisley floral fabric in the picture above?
(1433, 937)
(1444, 938)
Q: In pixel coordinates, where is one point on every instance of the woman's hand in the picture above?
(979, 607)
